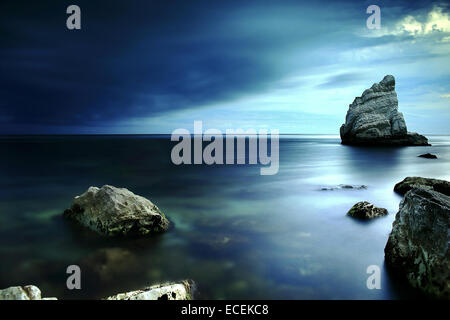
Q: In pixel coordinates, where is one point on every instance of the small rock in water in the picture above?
(344, 186)
(22, 293)
(347, 186)
(115, 211)
(418, 246)
(183, 290)
(428, 156)
(366, 210)
(409, 183)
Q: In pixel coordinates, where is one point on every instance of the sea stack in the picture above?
(373, 119)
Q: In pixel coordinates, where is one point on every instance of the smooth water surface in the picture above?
(238, 234)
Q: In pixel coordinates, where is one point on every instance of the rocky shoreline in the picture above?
(183, 290)
(29, 292)
(417, 249)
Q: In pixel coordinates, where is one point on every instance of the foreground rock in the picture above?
(417, 248)
(169, 291)
(409, 183)
(428, 156)
(344, 186)
(373, 119)
(365, 210)
(22, 293)
(116, 211)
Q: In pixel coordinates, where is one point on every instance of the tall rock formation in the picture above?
(373, 119)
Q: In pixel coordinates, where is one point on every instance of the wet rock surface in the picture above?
(183, 290)
(417, 248)
(365, 210)
(29, 292)
(115, 211)
(409, 183)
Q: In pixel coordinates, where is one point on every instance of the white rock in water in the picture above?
(116, 211)
(373, 119)
(22, 293)
(169, 291)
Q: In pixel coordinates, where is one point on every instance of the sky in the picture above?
(138, 67)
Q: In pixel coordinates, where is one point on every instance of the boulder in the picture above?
(417, 248)
(115, 211)
(373, 119)
(365, 210)
(183, 290)
(29, 292)
(428, 156)
(409, 183)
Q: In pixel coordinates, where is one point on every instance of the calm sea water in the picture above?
(238, 234)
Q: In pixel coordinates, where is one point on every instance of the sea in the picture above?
(238, 234)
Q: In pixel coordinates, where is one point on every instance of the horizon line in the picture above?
(168, 134)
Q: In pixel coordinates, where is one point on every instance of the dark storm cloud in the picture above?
(141, 58)
(127, 58)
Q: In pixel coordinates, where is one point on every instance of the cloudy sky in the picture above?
(155, 66)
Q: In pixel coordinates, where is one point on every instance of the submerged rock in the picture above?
(115, 211)
(366, 210)
(217, 242)
(183, 290)
(428, 156)
(417, 248)
(373, 119)
(344, 186)
(108, 264)
(409, 183)
(22, 293)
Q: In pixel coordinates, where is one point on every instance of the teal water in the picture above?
(238, 234)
